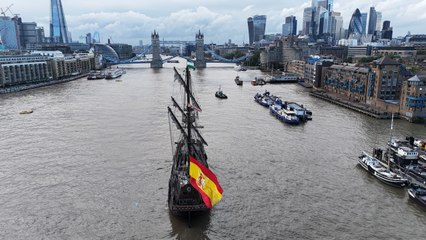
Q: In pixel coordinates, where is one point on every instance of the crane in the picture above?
(7, 9)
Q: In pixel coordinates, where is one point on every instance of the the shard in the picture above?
(58, 25)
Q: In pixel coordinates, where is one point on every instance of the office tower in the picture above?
(89, 38)
(307, 20)
(290, 26)
(372, 21)
(323, 21)
(28, 33)
(364, 23)
(387, 30)
(355, 25)
(386, 25)
(336, 26)
(256, 28)
(330, 5)
(96, 37)
(317, 18)
(58, 25)
(40, 35)
(378, 21)
(9, 34)
(250, 29)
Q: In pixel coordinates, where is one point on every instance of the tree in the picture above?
(254, 60)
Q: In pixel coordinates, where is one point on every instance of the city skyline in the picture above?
(129, 21)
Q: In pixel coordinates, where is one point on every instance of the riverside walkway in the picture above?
(23, 87)
(356, 106)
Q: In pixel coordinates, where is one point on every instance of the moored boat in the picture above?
(380, 171)
(265, 99)
(283, 78)
(95, 75)
(283, 114)
(418, 193)
(300, 111)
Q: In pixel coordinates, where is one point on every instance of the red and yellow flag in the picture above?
(205, 182)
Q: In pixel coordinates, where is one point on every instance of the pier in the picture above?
(359, 107)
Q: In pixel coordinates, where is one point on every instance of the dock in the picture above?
(359, 107)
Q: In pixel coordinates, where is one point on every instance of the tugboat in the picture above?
(238, 81)
(220, 94)
(192, 185)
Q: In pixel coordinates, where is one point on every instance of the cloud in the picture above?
(130, 21)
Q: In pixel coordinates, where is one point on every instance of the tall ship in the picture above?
(192, 185)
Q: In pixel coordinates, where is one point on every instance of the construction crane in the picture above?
(7, 9)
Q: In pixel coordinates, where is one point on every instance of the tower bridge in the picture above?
(157, 61)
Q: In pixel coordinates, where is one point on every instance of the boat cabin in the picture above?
(407, 153)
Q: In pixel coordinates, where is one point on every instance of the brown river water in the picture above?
(93, 162)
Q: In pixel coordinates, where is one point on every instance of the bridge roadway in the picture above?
(135, 60)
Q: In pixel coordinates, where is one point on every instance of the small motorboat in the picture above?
(418, 193)
(29, 111)
(258, 81)
(220, 94)
(238, 81)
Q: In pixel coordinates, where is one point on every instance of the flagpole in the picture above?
(390, 140)
(391, 129)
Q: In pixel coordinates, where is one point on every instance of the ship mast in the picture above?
(188, 109)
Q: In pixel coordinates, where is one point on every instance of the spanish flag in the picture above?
(205, 182)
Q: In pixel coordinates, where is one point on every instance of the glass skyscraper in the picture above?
(364, 22)
(58, 26)
(372, 21)
(355, 26)
(256, 28)
(290, 26)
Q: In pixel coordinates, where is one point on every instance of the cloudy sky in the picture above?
(128, 21)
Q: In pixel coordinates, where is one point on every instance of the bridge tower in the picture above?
(156, 58)
(200, 62)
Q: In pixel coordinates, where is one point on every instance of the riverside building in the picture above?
(42, 67)
(413, 98)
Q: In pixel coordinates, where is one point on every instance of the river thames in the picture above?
(93, 162)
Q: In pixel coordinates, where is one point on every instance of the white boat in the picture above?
(380, 171)
(283, 78)
(114, 73)
(29, 111)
